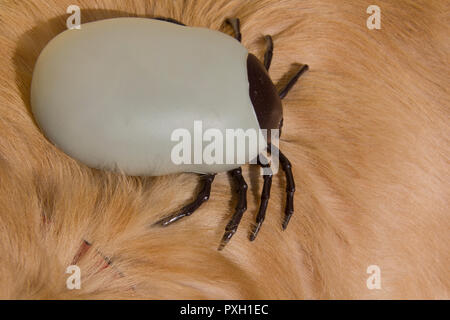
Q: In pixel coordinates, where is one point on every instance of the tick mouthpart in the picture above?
(264, 96)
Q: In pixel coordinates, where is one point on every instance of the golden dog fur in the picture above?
(367, 131)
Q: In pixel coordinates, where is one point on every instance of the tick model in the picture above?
(111, 93)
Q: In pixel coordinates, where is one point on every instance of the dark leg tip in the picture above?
(226, 238)
(241, 207)
(255, 231)
(187, 210)
(164, 222)
(287, 218)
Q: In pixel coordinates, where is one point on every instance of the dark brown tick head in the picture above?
(264, 96)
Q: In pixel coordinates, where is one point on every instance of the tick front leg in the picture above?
(290, 188)
(203, 196)
(290, 185)
(241, 207)
(269, 52)
(293, 81)
(265, 195)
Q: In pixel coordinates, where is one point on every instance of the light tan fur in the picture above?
(366, 129)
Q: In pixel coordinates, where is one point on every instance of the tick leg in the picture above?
(290, 188)
(293, 80)
(265, 195)
(169, 20)
(269, 52)
(241, 207)
(203, 196)
(236, 25)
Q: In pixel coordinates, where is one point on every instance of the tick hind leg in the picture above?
(187, 210)
(241, 207)
(169, 20)
(236, 25)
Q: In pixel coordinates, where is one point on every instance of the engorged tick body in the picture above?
(111, 94)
